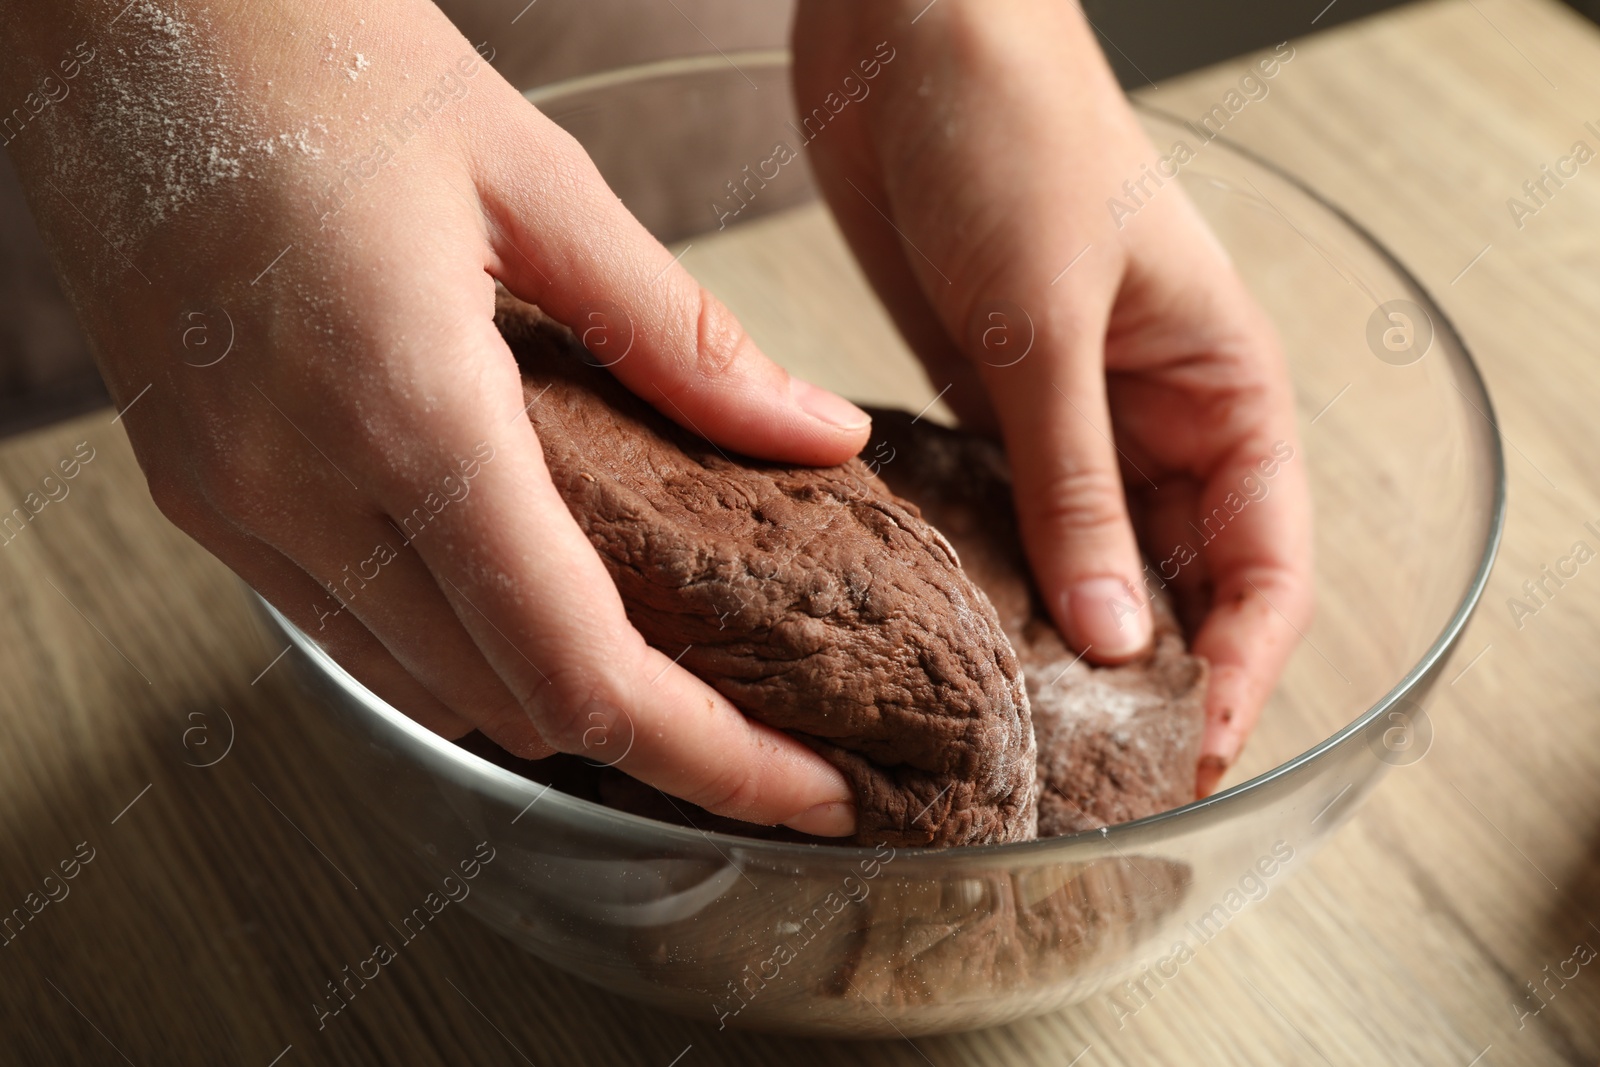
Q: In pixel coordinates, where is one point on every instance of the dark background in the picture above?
(1590, 8)
(1147, 40)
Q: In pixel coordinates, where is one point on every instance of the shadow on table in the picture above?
(1564, 998)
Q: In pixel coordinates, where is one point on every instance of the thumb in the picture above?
(1045, 371)
(570, 246)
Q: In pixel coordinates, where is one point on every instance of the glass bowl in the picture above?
(1408, 483)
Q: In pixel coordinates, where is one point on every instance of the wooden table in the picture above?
(219, 899)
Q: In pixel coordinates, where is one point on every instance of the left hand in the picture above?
(971, 175)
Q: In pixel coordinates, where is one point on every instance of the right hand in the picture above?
(971, 178)
(366, 378)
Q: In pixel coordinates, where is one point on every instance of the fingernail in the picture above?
(1107, 621)
(830, 408)
(834, 819)
(1212, 768)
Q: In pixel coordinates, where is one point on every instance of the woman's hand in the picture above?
(973, 177)
(282, 223)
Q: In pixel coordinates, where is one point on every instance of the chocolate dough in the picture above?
(869, 609)
(823, 603)
(1116, 743)
(814, 599)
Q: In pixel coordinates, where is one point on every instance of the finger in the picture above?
(303, 601)
(525, 582)
(1164, 521)
(1069, 489)
(1251, 524)
(368, 569)
(1261, 572)
(1035, 353)
(565, 242)
(293, 496)
(1036, 349)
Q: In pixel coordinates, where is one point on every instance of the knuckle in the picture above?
(559, 175)
(507, 721)
(238, 483)
(1079, 500)
(718, 344)
(719, 337)
(570, 165)
(485, 700)
(574, 711)
(1289, 592)
(732, 790)
(177, 498)
(982, 271)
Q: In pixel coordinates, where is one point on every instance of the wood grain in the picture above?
(217, 905)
